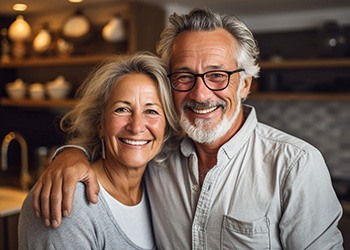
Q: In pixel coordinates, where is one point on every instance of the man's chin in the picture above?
(202, 134)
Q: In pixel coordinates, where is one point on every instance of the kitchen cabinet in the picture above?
(143, 24)
(10, 206)
(271, 85)
(25, 67)
(294, 66)
(8, 232)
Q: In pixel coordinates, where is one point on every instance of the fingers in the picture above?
(47, 199)
(36, 197)
(53, 194)
(92, 187)
(68, 195)
(55, 203)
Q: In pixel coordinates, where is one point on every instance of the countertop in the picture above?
(11, 200)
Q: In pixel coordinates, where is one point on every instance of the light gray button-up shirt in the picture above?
(268, 190)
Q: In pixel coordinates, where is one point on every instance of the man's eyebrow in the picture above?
(184, 69)
(209, 67)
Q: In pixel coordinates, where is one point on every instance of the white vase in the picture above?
(76, 26)
(114, 30)
(19, 30)
(42, 41)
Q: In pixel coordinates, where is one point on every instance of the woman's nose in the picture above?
(136, 124)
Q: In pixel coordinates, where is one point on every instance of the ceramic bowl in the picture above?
(16, 89)
(16, 93)
(57, 92)
(36, 91)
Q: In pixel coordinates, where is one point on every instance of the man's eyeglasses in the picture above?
(215, 80)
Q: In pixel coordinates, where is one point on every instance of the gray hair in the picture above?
(83, 122)
(206, 20)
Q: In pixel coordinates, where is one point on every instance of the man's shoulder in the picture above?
(277, 136)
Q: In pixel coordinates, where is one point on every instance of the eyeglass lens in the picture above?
(214, 80)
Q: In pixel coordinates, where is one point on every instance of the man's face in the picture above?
(204, 109)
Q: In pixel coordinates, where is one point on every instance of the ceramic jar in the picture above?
(42, 41)
(114, 30)
(19, 31)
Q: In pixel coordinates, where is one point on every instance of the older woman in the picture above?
(123, 119)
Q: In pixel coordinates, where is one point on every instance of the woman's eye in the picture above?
(121, 110)
(152, 112)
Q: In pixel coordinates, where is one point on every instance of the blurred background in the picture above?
(48, 49)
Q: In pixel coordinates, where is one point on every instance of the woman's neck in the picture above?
(122, 183)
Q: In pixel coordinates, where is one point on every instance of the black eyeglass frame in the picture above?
(229, 73)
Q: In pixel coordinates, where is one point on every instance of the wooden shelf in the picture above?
(55, 61)
(284, 96)
(46, 103)
(305, 64)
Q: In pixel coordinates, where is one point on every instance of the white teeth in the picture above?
(204, 111)
(135, 142)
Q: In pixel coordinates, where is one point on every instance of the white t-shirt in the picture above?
(134, 220)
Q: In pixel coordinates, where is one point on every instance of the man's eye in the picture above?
(215, 75)
(184, 78)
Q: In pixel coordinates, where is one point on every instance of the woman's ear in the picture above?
(100, 131)
(246, 87)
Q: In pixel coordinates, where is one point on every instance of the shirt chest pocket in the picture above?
(237, 234)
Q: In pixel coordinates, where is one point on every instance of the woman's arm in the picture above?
(54, 190)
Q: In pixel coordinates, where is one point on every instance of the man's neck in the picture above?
(207, 153)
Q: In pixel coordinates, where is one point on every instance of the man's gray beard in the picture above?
(200, 134)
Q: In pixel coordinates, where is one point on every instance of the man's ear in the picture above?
(246, 87)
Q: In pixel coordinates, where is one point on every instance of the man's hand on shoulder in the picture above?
(54, 191)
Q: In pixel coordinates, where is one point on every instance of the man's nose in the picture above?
(200, 91)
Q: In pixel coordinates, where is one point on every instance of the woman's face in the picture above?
(134, 123)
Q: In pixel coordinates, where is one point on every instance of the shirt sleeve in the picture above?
(311, 210)
(60, 149)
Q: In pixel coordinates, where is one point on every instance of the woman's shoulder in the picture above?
(81, 202)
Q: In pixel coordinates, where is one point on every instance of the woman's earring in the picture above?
(103, 149)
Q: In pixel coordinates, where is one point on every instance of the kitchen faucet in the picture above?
(25, 178)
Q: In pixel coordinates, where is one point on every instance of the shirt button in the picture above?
(195, 188)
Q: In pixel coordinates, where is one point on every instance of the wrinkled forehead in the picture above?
(202, 49)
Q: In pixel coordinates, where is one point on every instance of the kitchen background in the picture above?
(303, 89)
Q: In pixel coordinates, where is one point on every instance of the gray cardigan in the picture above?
(91, 226)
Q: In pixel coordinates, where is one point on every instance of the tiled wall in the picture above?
(324, 124)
